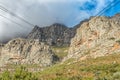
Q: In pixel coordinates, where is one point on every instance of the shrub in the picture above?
(118, 41)
(60, 78)
(116, 76)
(20, 73)
(5, 76)
(23, 74)
(75, 78)
(112, 38)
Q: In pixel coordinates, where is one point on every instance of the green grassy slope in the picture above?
(102, 68)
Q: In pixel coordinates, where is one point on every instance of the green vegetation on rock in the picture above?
(60, 51)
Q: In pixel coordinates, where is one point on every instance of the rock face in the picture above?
(23, 51)
(56, 34)
(97, 37)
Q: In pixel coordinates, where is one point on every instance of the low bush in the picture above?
(20, 73)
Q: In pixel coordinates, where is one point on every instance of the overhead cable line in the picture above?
(15, 15)
(10, 20)
(110, 5)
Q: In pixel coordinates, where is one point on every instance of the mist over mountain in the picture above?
(44, 13)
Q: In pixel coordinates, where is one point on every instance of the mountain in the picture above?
(96, 37)
(93, 53)
(24, 51)
(56, 34)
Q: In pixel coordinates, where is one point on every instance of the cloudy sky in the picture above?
(47, 12)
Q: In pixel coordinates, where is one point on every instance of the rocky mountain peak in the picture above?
(58, 25)
(36, 27)
(56, 34)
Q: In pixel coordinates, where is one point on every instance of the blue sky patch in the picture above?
(88, 6)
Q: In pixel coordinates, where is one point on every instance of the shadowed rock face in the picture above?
(56, 34)
(97, 37)
(23, 51)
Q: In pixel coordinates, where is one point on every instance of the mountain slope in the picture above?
(24, 51)
(99, 36)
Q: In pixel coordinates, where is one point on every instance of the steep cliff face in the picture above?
(56, 34)
(23, 51)
(97, 37)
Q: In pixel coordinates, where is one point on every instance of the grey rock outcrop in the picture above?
(99, 36)
(26, 51)
(56, 34)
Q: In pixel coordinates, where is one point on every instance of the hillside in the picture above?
(101, 68)
(97, 37)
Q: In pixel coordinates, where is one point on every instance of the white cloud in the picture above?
(44, 12)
